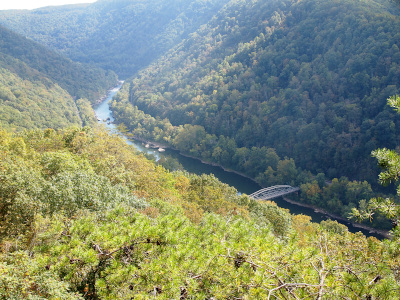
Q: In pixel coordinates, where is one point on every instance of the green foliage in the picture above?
(21, 277)
(38, 86)
(389, 161)
(86, 112)
(279, 220)
(51, 180)
(274, 74)
(122, 254)
(334, 226)
(170, 163)
(82, 215)
(338, 196)
(72, 228)
(269, 90)
(35, 61)
(123, 36)
(31, 104)
(54, 163)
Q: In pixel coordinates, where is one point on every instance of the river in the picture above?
(192, 165)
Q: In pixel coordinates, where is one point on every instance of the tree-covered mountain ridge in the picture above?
(123, 36)
(80, 80)
(84, 216)
(42, 89)
(306, 80)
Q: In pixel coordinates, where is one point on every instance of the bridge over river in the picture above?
(242, 184)
(274, 192)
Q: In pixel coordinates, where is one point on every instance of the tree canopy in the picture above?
(123, 36)
(272, 81)
(83, 216)
(79, 80)
(42, 89)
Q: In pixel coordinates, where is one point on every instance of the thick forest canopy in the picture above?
(42, 89)
(119, 35)
(273, 89)
(28, 104)
(309, 79)
(83, 216)
(80, 81)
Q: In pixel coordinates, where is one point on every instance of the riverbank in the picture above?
(167, 146)
(243, 183)
(151, 144)
(109, 91)
(383, 233)
(321, 211)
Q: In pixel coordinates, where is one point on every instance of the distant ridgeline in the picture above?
(287, 92)
(80, 81)
(119, 35)
(265, 85)
(306, 80)
(40, 88)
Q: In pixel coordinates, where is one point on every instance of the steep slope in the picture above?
(35, 103)
(120, 35)
(309, 79)
(38, 87)
(81, 81)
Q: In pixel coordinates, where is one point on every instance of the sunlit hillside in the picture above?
(278, 92)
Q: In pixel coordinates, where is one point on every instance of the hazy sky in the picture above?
(30, 4)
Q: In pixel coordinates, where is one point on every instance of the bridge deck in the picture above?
(274, 192)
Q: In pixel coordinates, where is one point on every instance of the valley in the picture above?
(240, 182)
(234, 96)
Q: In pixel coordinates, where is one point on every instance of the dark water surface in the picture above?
(242, 184)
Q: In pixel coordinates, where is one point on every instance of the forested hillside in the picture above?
(117, 35)
(308, 80)
(28, 104)
(83, 216)
(80, 81)
(284, 91)
(41, 89)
